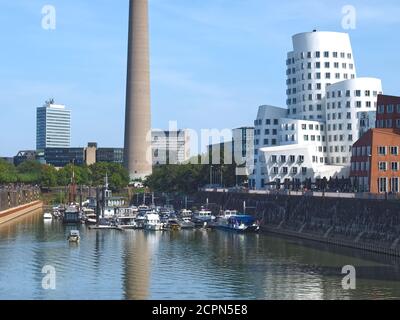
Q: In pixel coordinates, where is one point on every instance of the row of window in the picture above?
(340, 137)
(319, 65)
(342, 149)
(283, 158)
(360, 166)
(268, 122)
(319, 75)
(361, 151)
(339, 127)
(384, 166)
(285, 170)
(319, 54)
(384, 150)
(388, 123)
(390, 108)
(383, 185)
(307, 137)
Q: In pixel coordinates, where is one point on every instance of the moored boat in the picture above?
(239, 223)
(48, 216)
(74, 236)
(153, 222)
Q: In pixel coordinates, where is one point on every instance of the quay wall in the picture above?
(372, 225)
(13, 213)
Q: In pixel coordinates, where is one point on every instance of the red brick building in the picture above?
(375, 163)
(376, 155)
(388, 112)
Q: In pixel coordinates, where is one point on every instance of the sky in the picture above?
(213, 62)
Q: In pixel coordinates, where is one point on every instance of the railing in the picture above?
(17, 195)
(349, 195)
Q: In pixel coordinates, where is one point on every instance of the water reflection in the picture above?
(198, 264)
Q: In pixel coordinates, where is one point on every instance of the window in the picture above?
(273, 142)
(358, 93)
(276, 122)
(395, 185)
(390, 108)
(327, 65)
(382, 166)
(283, 159)
(326, 54)
(305, 137)
(268, 122)
(382, 151)
(336, 65)
(294, 170)
(274, 132)
(394, 151)
(285, 170)
(304, 170)
(267, 131)
(266, 141)
(381, 109)
(335, 54)
(317, 54)
(292, 159)
(301, 159)
(275, 170)
(327, 75)
(382, 184)
(395, 166)
(273, 159)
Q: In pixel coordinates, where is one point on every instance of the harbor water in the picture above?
(191, 264)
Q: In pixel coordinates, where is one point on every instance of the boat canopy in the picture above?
(74, 233)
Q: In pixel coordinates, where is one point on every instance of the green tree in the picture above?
(48, 176)
(8, 173)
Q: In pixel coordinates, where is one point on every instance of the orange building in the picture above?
(375, 161)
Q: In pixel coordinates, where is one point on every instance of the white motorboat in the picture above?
(48, 216)
(153, 222)
(74, 236)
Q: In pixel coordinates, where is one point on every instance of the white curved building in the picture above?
(318, 59)
(350, 112)
(328, 109)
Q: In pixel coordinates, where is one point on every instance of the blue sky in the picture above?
(213, 62)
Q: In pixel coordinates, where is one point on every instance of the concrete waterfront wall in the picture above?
(13, 213)
(372, 225)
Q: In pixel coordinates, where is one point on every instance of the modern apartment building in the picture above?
(328, 109)
(53, 126)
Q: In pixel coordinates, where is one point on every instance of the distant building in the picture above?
(170, 147)
(61, 157)
(53, 126)
(239, 151)
(27, 155)
(110, 155)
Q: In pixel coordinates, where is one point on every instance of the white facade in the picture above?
(318, 59)
(350, 112)
(53, 127)
(328, 109)
(170, 147)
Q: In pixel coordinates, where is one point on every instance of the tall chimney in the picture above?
(137, 154)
